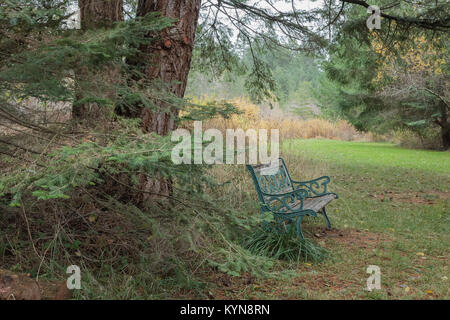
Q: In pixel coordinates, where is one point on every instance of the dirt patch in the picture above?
(363, 239)
(427, 197)
(247, 287)
(327, 281)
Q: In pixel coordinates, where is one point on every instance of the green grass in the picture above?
(361, 154)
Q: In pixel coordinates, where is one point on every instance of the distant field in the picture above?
(372, 154)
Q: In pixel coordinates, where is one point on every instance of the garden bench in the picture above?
(289, 200)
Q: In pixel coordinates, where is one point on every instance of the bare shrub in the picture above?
(291, 127)
(428, 139)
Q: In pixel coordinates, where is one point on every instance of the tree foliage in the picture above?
(382, 80)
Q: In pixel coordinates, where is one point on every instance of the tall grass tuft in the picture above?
(284, 246)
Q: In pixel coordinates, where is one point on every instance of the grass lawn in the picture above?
(393, 212)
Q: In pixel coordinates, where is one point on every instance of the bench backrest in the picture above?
(271, 178)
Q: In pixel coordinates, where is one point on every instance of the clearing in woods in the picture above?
(393, 211)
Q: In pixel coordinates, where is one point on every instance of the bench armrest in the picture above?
(283, 203)
(315, 187)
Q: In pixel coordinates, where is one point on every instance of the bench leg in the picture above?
(324, 212)
(299, 227)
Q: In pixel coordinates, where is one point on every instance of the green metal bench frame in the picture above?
(289, 200)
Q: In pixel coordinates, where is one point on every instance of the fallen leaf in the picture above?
(407, 289)
(420, 254)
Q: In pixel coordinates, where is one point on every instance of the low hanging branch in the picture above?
(21, 147)
(429, 24)
(444, 100)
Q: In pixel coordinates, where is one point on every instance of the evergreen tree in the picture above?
(95, 14)
(381, 80)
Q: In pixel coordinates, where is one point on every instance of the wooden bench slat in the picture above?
(318, 203)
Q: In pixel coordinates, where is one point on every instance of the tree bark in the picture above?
(99, 13)
(169, 62)
(445, 127)
(96, 14)
(170, 58)
(445, 132)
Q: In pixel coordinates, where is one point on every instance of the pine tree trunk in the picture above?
(170, 62)
(100, 13)
(445, 126)
(96, 14)
(445, 132)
